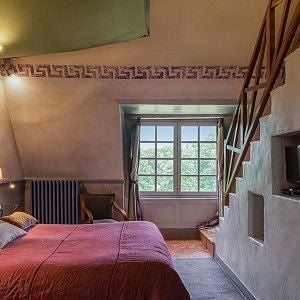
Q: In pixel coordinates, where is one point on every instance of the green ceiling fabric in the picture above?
(29, 27)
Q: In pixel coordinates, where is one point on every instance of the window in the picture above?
(178, 158)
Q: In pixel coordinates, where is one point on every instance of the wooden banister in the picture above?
(249, 110)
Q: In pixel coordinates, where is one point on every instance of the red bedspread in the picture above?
(103, 261)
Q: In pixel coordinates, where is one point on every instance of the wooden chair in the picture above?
(99, 208)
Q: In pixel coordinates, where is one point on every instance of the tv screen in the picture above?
(292, 157)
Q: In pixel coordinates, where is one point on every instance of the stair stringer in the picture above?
(270, 270)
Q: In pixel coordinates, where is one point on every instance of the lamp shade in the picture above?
(1, 175)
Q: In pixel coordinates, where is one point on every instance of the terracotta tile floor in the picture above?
(187, 249)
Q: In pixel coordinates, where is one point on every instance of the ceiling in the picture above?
(36, 27)
(190, 32)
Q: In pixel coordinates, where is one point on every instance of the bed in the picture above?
(122, 260)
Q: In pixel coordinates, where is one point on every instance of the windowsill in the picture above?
(257, 241)
(172, 198)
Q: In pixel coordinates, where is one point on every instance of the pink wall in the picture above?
(9, 159)
(71, 127)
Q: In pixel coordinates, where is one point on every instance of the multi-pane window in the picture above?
(157, 157)
(178, 158)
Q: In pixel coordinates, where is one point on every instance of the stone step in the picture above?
(207, 238)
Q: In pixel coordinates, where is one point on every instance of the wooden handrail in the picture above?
(249, 110)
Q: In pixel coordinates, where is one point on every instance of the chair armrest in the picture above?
(120, 210)
(86, 211)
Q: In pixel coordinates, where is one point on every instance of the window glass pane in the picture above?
(147, 133)
(147, 166)
(165, 184)
(189, 167)
(165, 150)
(189, 183)
(165, 167)
(189, 150)
(208, 150)
(208, 133)
(147, 150)
(208, 184)
(208, 167)
(165, 133)
(146, 183)
(189, 133)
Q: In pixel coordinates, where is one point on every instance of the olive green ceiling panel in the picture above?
(29, 27)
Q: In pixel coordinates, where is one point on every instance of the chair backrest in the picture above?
(100, 205)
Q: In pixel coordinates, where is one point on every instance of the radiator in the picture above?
(55, 201)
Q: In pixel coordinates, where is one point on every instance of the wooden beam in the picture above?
(236, 134)
(255, 87)
(248, 78)
(234, 149)
(270, 38)
(256, 81)
(244, 114)
(276, 3)
(284, 18)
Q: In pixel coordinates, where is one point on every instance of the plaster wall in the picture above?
(270, 270)
(9, 158)
(71, 127)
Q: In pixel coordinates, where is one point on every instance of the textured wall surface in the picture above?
(270, 270)
(9, 158)
(178, 213)
(71, 127)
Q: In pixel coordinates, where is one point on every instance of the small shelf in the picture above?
(288, 197)
(279, 180)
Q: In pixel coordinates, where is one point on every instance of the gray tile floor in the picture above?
(205, 280)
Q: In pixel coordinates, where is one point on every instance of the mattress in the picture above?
(121, 260)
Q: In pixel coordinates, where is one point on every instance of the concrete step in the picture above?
(208, 239)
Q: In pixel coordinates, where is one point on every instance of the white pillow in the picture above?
(8, 233)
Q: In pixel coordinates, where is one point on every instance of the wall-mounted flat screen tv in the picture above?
(292, 157)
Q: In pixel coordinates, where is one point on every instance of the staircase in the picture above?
(275, 41)
(259, 234)
(268, 267)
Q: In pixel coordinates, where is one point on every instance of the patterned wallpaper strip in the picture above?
(128, 72)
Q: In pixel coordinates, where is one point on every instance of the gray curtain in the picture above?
(134, 206)
(220, 165)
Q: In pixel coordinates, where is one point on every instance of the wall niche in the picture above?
(278, 161)
(256, 216)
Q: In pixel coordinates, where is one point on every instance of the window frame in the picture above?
(177, 193)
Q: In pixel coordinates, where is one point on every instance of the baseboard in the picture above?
(179, 233)
(244, 290)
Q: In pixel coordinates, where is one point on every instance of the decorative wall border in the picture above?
(127, 72)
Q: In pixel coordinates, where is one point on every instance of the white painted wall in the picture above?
(271, 271)
(178, 213)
